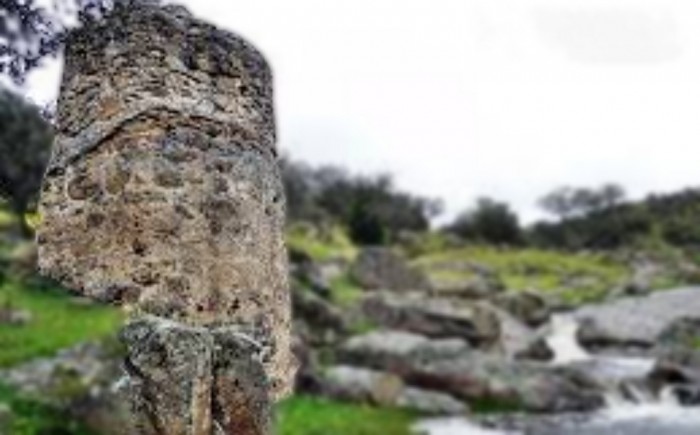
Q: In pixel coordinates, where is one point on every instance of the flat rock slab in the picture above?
(640, 320)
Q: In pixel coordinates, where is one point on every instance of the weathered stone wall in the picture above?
(163, 192)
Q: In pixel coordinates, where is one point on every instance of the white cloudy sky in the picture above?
(461, 98)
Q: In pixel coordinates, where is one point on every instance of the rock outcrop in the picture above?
(452, 368)
(635, 321)
(434, 317)
(382, 269)
(163, 194)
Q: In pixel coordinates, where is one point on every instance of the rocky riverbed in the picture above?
(637, 403)
(532, 365)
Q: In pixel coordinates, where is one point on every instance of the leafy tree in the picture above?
(370, 207)
(490, 221)
(566, 202)
(30, 32)
(25, 143)
(611, 194)
(558, 202)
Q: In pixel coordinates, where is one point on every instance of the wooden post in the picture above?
(163, 194)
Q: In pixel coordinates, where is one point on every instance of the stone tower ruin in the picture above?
(163, 194)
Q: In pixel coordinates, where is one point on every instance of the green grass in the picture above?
(57, 322)
(345, 292)
(7, 219)
(531, 269)
(321, 244)
(313, 416)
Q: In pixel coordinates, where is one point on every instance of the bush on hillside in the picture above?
(25, 147)
(490, 222)
(370, 207)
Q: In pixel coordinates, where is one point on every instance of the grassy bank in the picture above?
(57, 321)
(314, 416)
(574, 277)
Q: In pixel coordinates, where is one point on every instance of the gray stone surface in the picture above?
(636, 320)
(475, 322)
(163, 191)
(382, 269)
(430, 402)
(451, 367)
(362, 385)
(196, 380)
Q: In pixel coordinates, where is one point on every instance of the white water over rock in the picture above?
(631, 408)
(562, 340)
(455, 426)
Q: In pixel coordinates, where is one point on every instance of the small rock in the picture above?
(381, 268)
(363, 385)
(430, 402)
(14, 317)
(538, 350)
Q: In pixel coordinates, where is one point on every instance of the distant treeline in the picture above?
(375, 212)
(671, 218)
(372, 209)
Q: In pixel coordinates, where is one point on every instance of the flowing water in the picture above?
(630, 410)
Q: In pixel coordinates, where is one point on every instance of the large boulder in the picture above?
(362, 385)
(528, 386)
(682, 333)
(309, 273)
(380, 268)
(316, 311)
(635, 321)
(678, 363)
(451, 367)
(391, 350)
(475, 322)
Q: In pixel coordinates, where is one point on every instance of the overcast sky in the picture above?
(462, 98)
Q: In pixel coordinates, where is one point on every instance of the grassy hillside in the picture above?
(574, 277)
(673, 219)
